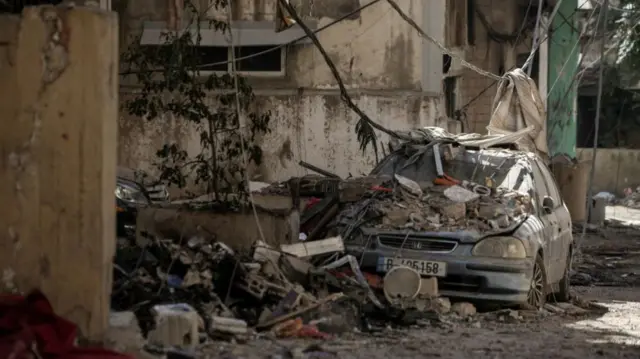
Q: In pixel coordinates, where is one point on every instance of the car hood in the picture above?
(462, 236)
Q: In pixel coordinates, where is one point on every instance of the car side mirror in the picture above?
(548, 204)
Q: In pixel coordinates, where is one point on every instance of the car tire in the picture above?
(537, 296)
(564, 291)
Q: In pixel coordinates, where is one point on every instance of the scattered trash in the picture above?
(632, 198)
(176, 325)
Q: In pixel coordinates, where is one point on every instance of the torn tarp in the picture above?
(518, 106)
(430, 135)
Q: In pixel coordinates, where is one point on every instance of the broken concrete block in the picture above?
(410, 185)
(313, 248)
(176, 326)
(460, 195)
(441, 305)
(455, 211)
(124, 333)
(229, 326)
(464, 309)
(428, 287)
(263, 253)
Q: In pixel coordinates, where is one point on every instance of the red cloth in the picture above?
(29, 323)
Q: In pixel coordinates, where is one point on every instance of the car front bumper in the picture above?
(467, 277)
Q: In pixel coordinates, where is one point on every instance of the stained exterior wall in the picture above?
(615, 168)
(381, 59)
(505, 17)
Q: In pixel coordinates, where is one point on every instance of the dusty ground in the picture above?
(608, 271)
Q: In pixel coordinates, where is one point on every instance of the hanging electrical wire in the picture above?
(536, 44)
(493, 83)
(463, 62)
(243, 145)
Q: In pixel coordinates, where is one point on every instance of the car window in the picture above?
(539, 183)
(554, 193)
(488, 168)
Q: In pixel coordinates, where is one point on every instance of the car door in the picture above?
(563, 217)
(550, 224)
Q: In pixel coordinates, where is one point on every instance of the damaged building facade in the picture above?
(393, 75)
(489, 34)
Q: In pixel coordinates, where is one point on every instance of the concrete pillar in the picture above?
(562, 67)
(59, 105)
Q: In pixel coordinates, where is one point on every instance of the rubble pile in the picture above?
(183, 292)
(444, 208)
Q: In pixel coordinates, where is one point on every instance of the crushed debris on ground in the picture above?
(631, 198)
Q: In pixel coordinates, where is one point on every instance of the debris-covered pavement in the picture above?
(313, 295)
(272, 310)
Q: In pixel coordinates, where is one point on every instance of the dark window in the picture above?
(446, 63)
(540, 184)
(471, 22)
(550, 181)
(213, 58)
(450, 89)
(270, 61)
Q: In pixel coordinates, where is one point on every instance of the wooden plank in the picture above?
(58, 135)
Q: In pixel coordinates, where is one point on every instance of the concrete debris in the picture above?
(411, 186)
(176, 325)
(307, 283)
(124, 333)
(434, 211)
(464, 309)
(460, 194)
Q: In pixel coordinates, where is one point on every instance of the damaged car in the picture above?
(488, 223)
(133, 191)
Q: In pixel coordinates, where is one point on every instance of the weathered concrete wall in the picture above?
(315, 127)
(504, 16)
(380, 58)
(615, 168)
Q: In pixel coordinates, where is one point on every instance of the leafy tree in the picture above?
(172, 83)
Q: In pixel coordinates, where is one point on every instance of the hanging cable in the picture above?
(463, 62)
(243, 145)
(534, 43)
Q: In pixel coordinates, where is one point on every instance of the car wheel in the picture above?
(537, 291)
(564, 292)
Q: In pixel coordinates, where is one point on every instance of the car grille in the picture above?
(157, 193)
(418, 244)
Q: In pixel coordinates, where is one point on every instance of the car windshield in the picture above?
(494, 168)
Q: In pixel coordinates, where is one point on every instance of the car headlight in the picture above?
(130, 194)
(500, 247)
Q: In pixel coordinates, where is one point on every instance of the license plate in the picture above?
(427, 268)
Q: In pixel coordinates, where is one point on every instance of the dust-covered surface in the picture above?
(610, 256)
